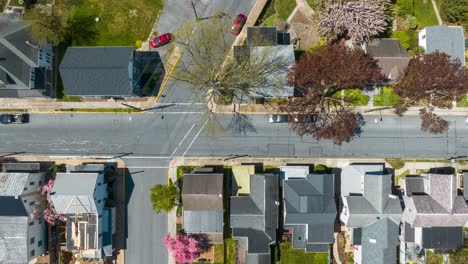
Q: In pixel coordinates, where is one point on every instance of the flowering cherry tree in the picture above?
(44, 207)
(360, 20)
(183, 248)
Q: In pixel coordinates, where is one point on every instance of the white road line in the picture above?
(174, 113)
(180, 103)
(196, 136)
(180, 143)
(147, 167)
(145, 157)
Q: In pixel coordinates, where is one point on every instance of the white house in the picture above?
(448, 39)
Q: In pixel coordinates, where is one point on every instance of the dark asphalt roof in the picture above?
(261, 36)
(409, 233)
(97, 71)
(9, 206)
(442, 237)
(414, 185)
(385, 47)
(317, 247)
(357, 236)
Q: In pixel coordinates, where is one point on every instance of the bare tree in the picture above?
(221, 73)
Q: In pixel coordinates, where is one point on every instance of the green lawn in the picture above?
(433, 258)
(463, 102)
(354, 97)
(425, 14)
(386, 97)
(122, 22)
(230, 246)
(284, 8)
(270, 21)
(267, 12)
(219, 254)
(298, 256)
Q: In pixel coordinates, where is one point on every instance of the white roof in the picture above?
(294, 171)
(12, 183)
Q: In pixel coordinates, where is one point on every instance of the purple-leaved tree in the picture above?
(359, 20)
(44, 207)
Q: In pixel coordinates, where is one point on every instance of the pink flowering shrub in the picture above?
(183, 248)
(44, 206)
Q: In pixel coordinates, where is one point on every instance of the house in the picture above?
(25, 66)
(293, 171)
(310, 211)
(434, 213)
(118, 72)
(371, 212)
(22, 238)
(268, 46)
(80, 195)
(254, 219)
(202, 196)
(391, 57)
(448, 39)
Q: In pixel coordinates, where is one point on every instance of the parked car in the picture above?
(306, 118)
(238, 24)
(161, 40)
(14, 118)
(278, 119)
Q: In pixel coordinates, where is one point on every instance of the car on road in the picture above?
(14, 118)
(306, 118)
(238, 24)
(278, 118)
(161, 40)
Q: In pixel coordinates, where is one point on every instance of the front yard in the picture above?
(425, 14)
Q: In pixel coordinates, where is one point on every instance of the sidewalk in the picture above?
(264, 109)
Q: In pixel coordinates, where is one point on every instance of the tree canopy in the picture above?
(183, 248)
(454, 10)
(164, 197)
(359, 20)
(431, 80)
(319, 76)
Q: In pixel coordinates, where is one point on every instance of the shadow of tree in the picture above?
(241, 124)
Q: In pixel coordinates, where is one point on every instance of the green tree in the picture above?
(47, 26)
(164, 197)
(82, 27)
(405, 8)
(454, 10)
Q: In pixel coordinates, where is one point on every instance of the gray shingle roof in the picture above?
(258, 224)
(310, 202)
(97, 71)
(12, 183)
(379, 242)
(448, 39)
(385, 47)
(14, 239)
(203, 221)
(439, 206)
(442, 237)
(261, 36)
(18, 58)
(353, 175)
(73, 193)
(203, 192)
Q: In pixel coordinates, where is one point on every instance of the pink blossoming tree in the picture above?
(183, 248)
(360, 20)
(44, 206)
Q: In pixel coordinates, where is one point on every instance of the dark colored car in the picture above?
(305, 118)
(161, 40)
(238, 24)
(14, 118)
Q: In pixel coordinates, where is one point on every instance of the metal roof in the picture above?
(12, 183)
(14, 239)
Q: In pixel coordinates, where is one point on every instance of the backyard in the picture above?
(122, 22)
(425, 14)
(289, 255)
(274, 10)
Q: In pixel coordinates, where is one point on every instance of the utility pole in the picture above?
(194, 10)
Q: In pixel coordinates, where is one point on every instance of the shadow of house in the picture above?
(110, 72)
